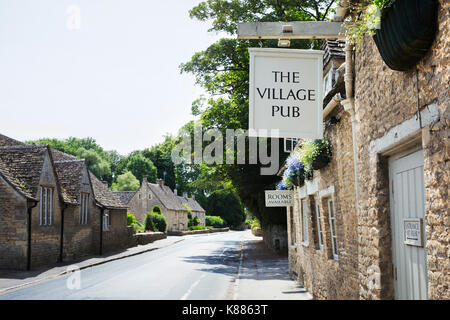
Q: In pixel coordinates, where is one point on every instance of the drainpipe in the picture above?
(349, 106)
(29, 210)
(61, 244)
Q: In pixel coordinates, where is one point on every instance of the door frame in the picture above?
(392, 158)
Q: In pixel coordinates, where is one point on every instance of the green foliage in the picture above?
(160, 155)
(157, 209)
(256, 224)
(227, 205)
(312, 149)
(98, 160)
(141, 166)
(155, 222)
(148, 222)
(130, 219)
(197, 227)
(215, 221)
(138, 227)
(222, 70)
(192, 222)
(366, 19)
(126, 182)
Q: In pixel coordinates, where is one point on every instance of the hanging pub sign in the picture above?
(279, 198)
(286, 93)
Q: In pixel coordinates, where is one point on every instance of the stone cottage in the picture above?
(53, 209)
(374, 223)
(150, 195)
(196, 208)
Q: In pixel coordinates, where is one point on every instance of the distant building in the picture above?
(150, 195)
(196, 208)
(53, 209)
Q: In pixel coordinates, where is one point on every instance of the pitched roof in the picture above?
(191, 203)
(22, 165)
(70, 174)
(104, 196)
(61, 156)
(333, 48)
(166, 196)
(7, 141)
(124, 196)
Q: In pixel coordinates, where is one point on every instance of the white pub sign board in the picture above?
(279, 198)
(286, 93)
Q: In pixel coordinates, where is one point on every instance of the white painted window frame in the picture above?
(46, 206)
(106, 221)
(319, 225)
(84, 208)
(304, 209)
(332, 221)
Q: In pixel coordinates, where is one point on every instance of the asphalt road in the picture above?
(223, 266)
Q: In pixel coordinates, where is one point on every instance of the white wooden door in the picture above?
(407, 191)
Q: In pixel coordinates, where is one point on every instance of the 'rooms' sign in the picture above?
(286, 93)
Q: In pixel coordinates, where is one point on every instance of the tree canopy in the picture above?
(222, 70)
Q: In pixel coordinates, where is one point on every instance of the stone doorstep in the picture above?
(91, 262)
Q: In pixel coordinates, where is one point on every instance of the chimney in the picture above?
(184, 194)
(193, 197)
(105, 183)
(144, 179)
(160, 182)
(175, 191)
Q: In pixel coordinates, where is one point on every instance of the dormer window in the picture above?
(46, 206)
(84, 208)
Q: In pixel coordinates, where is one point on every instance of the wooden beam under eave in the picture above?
(300, 30)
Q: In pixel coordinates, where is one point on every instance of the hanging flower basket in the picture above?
(407, 31)
(321, 160)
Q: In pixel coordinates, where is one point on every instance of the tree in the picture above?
(126, 182)
(223, 70)
(96, 164)
(227, 205)
(141, 166)
(160, 155)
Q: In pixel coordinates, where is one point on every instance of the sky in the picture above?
(107, 69)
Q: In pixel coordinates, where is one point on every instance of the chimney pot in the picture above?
(175, 191)
(144, 179)
(160, 182)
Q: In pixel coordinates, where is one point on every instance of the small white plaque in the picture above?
(279, 198)
(412, 230)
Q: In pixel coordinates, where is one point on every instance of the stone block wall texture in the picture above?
(383, 99)
(149, 237)
(13, 228)
(116, 238)
(81, 240)
(45, 239)
(322, 276)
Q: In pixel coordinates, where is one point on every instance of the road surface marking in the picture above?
(192, 287)
(236, 283)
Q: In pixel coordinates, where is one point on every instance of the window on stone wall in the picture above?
(305, 239)
(106, 221)
(46, 206)
(318, 225)
(293, 227)
(139, 196)
(332, 221)
(84, 208)
(149, 196)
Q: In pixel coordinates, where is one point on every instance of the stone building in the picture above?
(322, 224)
(53, 209)
(386, 187)
(150, 195)
(194, 206)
